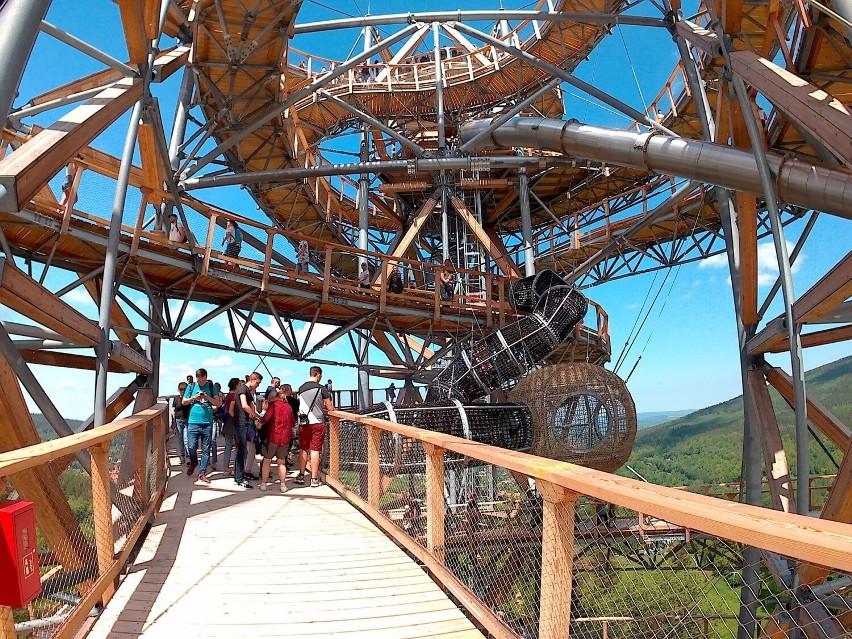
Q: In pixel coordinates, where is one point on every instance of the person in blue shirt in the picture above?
(202, 397)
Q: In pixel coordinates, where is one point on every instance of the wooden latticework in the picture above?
(581, 413)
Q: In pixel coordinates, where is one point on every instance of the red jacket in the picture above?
(280, 416)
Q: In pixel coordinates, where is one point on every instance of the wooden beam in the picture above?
(496, 251)
(90, 81)
(822, 542)
(117, 314)
(133, 18)
(808, 106)
(838, 507)
(26, 296)
(415, 225)
(774, 457)
(830, 291)
(386, 346)
(68, 360)
(37, 483)
(818, 414)
(32, 165)
(747, 219)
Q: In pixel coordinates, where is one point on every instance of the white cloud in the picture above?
(686, 296)
(223, 361)
(767, 262)
(320, 332)
(77, 296)
(714, 261)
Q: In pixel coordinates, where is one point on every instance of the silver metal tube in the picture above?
(19, 22)
(505, 117)
(419, 165)
(567, 77)
(363, 227)
(55, 104)
(445, 228)
(526, 221)
(458, 16)
(439, 89)
(110, 263)
(809, 185)
(793, 330)
(27, 330)
(44, 344)
(418, 150)
(88, 49)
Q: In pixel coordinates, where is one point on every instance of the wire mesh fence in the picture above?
(544, 559)
(76, 538)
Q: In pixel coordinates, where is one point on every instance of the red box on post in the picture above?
(20, 581)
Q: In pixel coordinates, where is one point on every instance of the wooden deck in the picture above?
(223, 563)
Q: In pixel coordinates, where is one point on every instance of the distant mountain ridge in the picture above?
(652, 418)
(705, 446)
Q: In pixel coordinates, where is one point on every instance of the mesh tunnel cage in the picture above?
(507, 354)
(505, 425)
(524, 293)
(582, 413)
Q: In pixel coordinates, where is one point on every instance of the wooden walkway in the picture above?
(227, 563)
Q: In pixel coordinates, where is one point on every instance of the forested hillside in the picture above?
(705, 447)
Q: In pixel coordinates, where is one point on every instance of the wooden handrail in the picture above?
(20, 459)
(816, 541)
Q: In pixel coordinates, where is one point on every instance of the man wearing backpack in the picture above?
(314, 403)
(203, 398)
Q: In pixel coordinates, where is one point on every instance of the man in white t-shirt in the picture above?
(176, 230)
(303, 256)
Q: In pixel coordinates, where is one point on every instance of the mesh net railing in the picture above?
(543, 560)
(73, 520)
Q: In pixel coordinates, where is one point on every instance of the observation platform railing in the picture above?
(87, 525)
(595, 551)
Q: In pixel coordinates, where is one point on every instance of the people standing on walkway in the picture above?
(390, 392)
(364, 276)
(273, 386)
(233, 240)
(202, 398)
(176, 231)
(277, 423)
(395, 282)
(448, 281)
(314, 403)
(303, 256)
(245, 412)
(228, 426)
(181, 414)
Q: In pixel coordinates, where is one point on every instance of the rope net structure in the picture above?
(572, 412)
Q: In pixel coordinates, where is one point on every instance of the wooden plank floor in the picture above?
(227, 563)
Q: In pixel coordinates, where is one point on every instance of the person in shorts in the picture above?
(314, 403)
(277, 423)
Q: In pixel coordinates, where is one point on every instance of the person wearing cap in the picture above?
(176, 230)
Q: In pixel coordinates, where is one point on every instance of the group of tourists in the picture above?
(252, 423)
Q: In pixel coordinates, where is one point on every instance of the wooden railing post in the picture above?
(159, 450)
(334, 449)
(437, 293)
(374, 474)
(102, 512)
(557, 558)
(435, 501)
(501, 300)
(205, 265)
(7, 623)
(383, 292)
(326, 276)
(267, 260)
(488, 283)
(140, 456)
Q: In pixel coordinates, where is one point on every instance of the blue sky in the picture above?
(690, 359)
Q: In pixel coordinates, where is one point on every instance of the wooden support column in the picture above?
(774, 457)
(557, 559)
(374, 473)
(818, 415)
(436, 297)
(267, 260)
(501, 301)
(326, 275)
(435, 501)
(334, 449)
(7, 623)
(383, 287)
(102, 512)
(159, 452)
(208, 247)
(140, 480)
